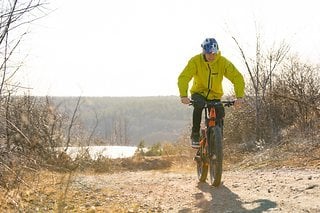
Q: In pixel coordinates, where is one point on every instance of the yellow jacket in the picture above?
(208, 76)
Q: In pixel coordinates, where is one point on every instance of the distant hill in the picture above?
(129, 120)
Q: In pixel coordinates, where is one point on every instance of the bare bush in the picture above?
(16, 136)
(289, 106)
(33, 130)
(33, 125)
(282, 93)
(297, 94)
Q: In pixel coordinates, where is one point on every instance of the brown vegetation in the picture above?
(50, 190)
(278, 127)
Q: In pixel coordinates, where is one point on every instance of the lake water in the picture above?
(105, 151)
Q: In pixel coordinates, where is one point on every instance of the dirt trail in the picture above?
(278, 190)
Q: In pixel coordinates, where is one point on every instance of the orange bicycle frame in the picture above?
(212, 117)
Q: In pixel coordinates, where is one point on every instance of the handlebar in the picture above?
(215, 103)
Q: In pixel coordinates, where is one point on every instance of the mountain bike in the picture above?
(209, 155)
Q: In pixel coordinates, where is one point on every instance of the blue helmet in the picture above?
(210, 45)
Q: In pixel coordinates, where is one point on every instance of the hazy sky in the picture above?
(139, 47)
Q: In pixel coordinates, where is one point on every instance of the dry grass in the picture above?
(293, 154)
(47, 190)
(52, 191)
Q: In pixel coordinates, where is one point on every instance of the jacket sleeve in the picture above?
(236, 79)
(185, 77)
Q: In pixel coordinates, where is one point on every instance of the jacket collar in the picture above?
(216, 58)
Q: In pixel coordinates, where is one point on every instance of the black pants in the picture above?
(199, 102)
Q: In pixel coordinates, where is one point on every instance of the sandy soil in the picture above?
(160, 184)
(278, 190)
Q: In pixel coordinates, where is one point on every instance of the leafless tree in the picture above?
(72, 123)
(120, 130)
(261, 69)
(15, 18)
(90, 138)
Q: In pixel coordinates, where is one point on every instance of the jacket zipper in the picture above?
(209, 81)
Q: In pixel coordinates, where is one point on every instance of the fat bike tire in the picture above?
(202, 168)
(216, 161)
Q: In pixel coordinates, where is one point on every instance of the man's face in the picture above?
(210, 56)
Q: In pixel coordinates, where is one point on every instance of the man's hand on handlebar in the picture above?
(185, 100)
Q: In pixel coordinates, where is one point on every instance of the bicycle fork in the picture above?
(203, 153)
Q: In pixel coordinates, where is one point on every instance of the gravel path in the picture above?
(281, 190)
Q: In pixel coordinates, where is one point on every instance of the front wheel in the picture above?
(215, 139)
(202, 165)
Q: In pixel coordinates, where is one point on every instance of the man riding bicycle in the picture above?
(207, 70)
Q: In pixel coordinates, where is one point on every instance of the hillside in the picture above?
(129, 120)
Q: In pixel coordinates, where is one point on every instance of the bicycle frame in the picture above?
(209, 154)
(210, 122)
